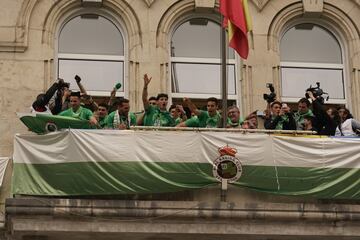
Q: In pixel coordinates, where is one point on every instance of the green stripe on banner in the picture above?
(115, 178)
(320, 183)
(109, 178)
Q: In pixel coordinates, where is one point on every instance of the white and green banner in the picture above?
(112, 162)
(41, 123)
(3, 164)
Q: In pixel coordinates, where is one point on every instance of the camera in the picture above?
(63, 84)
(272, 95)
(66, 84)
(317, 92)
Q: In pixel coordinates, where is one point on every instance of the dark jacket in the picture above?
(287, 124)
(42, 100)
(324, 123)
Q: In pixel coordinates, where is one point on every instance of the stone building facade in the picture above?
(31, 59)
(31, 52)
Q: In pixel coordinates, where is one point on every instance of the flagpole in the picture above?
(223, 75)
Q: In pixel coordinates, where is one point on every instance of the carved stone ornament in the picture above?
(149, 2)
(313, 8)
(260, 4)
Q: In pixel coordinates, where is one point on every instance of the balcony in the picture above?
(154, 184)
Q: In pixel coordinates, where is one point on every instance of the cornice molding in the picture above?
(21, 29)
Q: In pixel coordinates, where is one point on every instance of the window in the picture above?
(309, 53)
(195, 61)
(92, 47)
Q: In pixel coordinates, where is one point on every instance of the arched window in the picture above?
(92, 47)
(195, 61)
(310, 53)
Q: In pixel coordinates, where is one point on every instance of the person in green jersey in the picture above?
(234, 120)
(204, 119)
(303, 110)
(122, 118)
(101, 114)
(140, 119)
(178, 113)
(77, 111)
(156, 115)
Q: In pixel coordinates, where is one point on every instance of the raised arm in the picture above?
(192, 106)
(145, 91)
(112, 97)
(268, 111)
(81, 87)
(94, 105)
(182, 112)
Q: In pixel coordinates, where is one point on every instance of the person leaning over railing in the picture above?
(281, 118)
(204, 119)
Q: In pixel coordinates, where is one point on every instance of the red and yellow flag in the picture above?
(238, 22)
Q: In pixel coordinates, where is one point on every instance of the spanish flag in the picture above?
(238, 22)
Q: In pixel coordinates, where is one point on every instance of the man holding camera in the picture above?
(278, 115)
(325, 121)
(61, 102)
(40, 105)
(281, 117)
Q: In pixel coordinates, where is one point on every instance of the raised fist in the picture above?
(77, 78)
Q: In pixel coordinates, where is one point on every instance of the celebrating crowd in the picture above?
(311, 114)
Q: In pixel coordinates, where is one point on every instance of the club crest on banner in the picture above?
(227, 166)
(51, 127)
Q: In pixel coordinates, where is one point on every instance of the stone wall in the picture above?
(28, 35)
(29, 28)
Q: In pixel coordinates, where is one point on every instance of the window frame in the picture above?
(315, 65)
(193, 60)
(95, 57)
